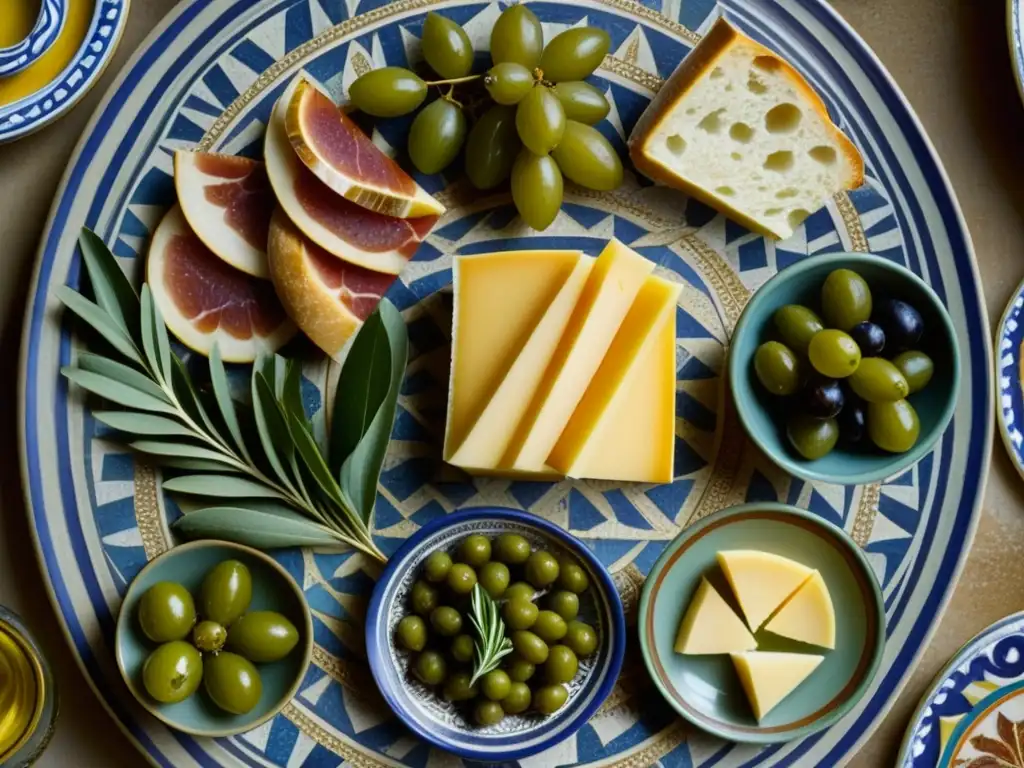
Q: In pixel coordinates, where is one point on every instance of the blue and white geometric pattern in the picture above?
(1010, 340)
(210, 76)
(49, 23)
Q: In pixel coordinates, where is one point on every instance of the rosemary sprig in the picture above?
(491, 644)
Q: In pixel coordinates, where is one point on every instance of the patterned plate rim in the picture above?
(1012, 358)
(1015, 38)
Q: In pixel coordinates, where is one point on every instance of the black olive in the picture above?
(823, 398)
(869, 337)
(901, 323)
(853, 420)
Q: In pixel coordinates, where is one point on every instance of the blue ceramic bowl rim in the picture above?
(825, 720)
(617, 622)
(307, 638)
(804, 469)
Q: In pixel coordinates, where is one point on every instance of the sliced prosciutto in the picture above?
(326, 297)
(204, 301)
(343, 157)
(227, 201)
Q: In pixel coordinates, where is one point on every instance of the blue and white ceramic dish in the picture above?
(1015, 36)
(1010, 340)
(49, 23)
(979, 693)
(209, 75)
(440, 723)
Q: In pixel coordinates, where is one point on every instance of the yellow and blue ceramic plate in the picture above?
(208, 76)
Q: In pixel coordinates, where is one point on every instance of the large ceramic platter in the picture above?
(209, 75)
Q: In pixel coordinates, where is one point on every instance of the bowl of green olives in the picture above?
(213, 638)
(494, 634)
(845, 368)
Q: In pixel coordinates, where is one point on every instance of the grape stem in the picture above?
(455, 80)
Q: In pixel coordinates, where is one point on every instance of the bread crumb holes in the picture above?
(676, 144)
(783, 118)
(741, 132)
(779, 162)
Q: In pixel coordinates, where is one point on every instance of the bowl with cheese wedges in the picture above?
(762, 623)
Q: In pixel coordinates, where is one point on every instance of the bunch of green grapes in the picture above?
(540, 126)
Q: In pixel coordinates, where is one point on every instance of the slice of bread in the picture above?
(738, 128)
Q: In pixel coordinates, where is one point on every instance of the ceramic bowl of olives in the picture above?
(845, 368)
(213, 638)
(494, 634)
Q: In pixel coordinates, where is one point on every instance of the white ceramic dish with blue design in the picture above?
(444, 724)
(1015, 36)
(1010, 339)
(209, 76)
(24, 53)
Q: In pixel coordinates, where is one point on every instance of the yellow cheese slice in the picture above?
(610, 290)
(624, 426)
(489, 437)
(769, 677)
(499, 300)
(711, 626)
(761, 581)
(807, 615)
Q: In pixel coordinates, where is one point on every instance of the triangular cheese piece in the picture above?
(807, 615)
(761, 581)
(711, 626)
(769, 677)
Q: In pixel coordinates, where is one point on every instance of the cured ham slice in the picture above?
(204, 301)
(227, 201)
(339, 226)
(326, 297)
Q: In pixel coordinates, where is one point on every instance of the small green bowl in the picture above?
(705, 689)
(762, 414)
(273, 589)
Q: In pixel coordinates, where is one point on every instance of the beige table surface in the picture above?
(950, 58)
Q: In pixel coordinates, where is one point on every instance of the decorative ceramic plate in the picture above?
(65, 73)
(209, 75)
(1015, 33)
(1011, 378)
(977, 694)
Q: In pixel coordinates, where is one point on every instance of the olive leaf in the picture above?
(220, 486)
(109, 284)
(260, 527)
(491, 644)
(101, 322)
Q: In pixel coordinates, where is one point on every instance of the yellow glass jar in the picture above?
(28, 698)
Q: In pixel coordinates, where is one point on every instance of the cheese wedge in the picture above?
(624, 426)
(610, 290)
(761, 581)
(807, 615)
(499, 300)
(711, 626)
(769, 677)
(489, 437)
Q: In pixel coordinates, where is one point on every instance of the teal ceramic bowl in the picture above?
(705, 689)
(273, 589)
(763, 415)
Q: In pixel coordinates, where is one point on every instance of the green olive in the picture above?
(550, 698)
(446, 621)
(834, 353)
(511, 549)
(536, 188)
(530, 647)
(812, 438)
(777, 368)
(917, 368)
(520, 591)
(796, 326)
(542, 569)
(226, 592)
(491, 147)
(388, 92)
(461, 579)
(166, 612)
(172, 672)
(430, 668)
(232, 682)
(412, 633)
(879, 381)
(494, 578)
(845, 300)
(446, 47)
(562, 665)
(574, 54)
(462, 648)
(572, 577)
(894, 426)
(436, 566)
(517, 36)
(565, 604)
(549, 626)
(508, 82)
(495, 685)
(582, 102)
(209, 636)
(520, 670)
(488, 713)
(519, 613)
(263, 636)
(475, 550)
(518, 699)
(581, 638)
(540, 120)
(585, 156)
(458, 688)
(423, 598)
(436, 136)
